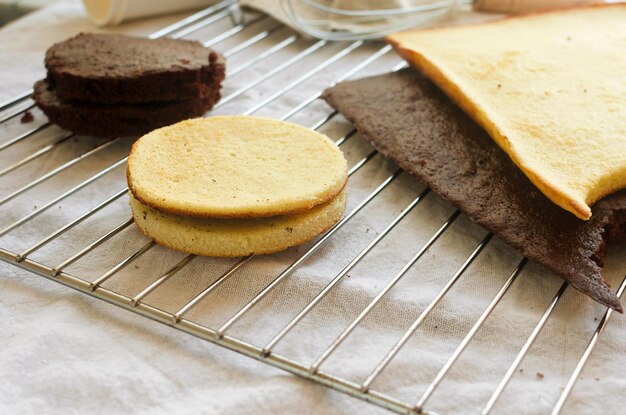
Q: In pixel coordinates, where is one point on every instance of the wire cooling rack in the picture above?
(272, 49)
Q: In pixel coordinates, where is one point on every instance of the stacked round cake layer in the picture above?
(106, 85)
(235, 185)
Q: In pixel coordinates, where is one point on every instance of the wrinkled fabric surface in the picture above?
(64, 352)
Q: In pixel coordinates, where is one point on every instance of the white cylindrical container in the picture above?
(113, 12)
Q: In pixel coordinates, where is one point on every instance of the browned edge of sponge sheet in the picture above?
(412, 122)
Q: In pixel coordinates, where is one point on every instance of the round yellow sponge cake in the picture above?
(235, 167)
(236, 237)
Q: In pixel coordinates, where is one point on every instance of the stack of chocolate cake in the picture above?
(114, 85)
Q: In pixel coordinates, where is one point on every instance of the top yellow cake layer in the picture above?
(549, 88)
(235, 167)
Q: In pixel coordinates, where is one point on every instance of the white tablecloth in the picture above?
(64, 352)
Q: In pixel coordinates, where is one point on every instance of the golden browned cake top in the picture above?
(549, 88)
(235, 167)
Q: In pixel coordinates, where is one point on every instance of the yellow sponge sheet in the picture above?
(549, 88)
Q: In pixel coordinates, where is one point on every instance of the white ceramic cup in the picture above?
(113, 12)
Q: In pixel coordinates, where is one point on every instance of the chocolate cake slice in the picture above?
(110, 69)
(116, 120)
(408, 119)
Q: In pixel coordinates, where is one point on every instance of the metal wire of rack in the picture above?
(245, 35)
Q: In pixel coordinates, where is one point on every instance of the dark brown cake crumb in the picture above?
(27, 117)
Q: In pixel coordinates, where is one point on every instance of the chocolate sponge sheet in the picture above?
(410, 121)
